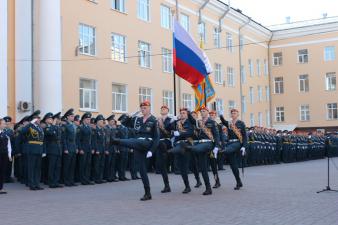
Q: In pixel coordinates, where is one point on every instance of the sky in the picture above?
(271, 12)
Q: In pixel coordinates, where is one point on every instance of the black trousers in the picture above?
(232, 152)
(54, 169)
(162, 159)
(34, 170)
(85, 162)
(109, 166)
(3, 168)
(98, 166)
(121, 160)
(69, 161)
(182, 159)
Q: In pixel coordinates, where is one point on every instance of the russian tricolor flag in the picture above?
(190, 62)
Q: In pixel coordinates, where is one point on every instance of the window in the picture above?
(218, 74)
(118, 49)
(279, 85)
(258, 65)
(88, 94)
(188, 101)
(143, 11)
(184, 20)
(330, 81)
(144, 54)
(165, 17)
(231, 105)
(303, 56)
(265, 68)
(243, 104)
(119, 98)
(168, 100)
(167, 61)
(217, 38)
(119, 5)
(202, 31)
(252, 120)
(260, 119)
(87, 38)
(332, 111)
(304, 112)
(267, 122)
(267, 93)
(229, 43)
(251, 95)
(144, 94)
(230, 77)
(280, 114)
(219, 105)
(277, 59)
(243, 74)
(304, 83)
(260, 93)
(241, 42)
(250, 67)
(329, 53)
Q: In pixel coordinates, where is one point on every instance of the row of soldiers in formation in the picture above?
(71, 149)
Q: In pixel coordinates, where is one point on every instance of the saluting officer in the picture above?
(144, 144)
(237, 143)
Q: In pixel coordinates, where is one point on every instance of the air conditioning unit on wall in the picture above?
(24, 106)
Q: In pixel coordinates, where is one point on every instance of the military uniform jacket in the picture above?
(11, 134)
(52, 141)
(212, 126)
(99, 142)
(4, 139)
(148, 129)
(34, 136)
(84, 138)
(69, 133)
(110, 132)
(186, 131)
(232, 134)
(165, 130)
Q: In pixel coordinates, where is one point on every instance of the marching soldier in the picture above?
(213, 157)
(10, 133)
(99, 147)
(144, 144)
(193, 157)
(237, 143)
(5, 153)
(69, 148)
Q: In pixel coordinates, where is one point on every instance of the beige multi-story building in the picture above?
(106, 56)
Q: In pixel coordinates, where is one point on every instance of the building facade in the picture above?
(108, 55)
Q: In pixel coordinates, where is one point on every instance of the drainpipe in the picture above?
(240, 64)
(269, 76)
(200, 11)
(222, 17)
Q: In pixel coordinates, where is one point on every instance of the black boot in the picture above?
(239, 184)
(187, 187)
(147, 195)
(208, 190)
(198, 183)
(218, 183)
(166, 188)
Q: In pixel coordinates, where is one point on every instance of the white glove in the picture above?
(173, 119)
(149, 154)
(176, 133)
(215, 151)
(243, 151)
(44, 155)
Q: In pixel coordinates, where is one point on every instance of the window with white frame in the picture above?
(229, 44)
(118, 48)
(251, 95)
(279, 85)
(277, 59)
(250, 68)
(168, 100)
(260, 119)
(252, 119)
(267, 93)
(329, 53)
(144, 54)
(332, 111)
(218, 74)
(304, 83)
(217, 37)
(87, 40)
(258, 66)
(330, 81)
(143, 10)
(185, 23)
(243, 74)
(279, 114)
(119, 93)
(144, 94)
(202, 31)
(265, 68)
(241, 42)
(231, 105)
(88, 94)
(303, 56)
(267, 118)
(188, 101)
(165, 17)
(244, 108)
(167, 61)
(260, 93)
(119, 5)
(219, 105)
(230, 77)
(304, 112)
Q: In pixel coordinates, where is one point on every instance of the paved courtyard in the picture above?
(278, 194)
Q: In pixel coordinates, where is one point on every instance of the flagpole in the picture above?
(174, 74)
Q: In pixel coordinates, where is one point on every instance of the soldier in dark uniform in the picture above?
(214, 157)
(193, 157)
(144, 144)
(35, 150)
(208, 140)
(10, 133)
(110, 159)
(84, 139)
(122, 153)
(5, 154)
(53, 149)
(69, 148)
(99, 147)
(237, 143)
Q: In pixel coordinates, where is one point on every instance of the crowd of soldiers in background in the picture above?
(110, 163)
